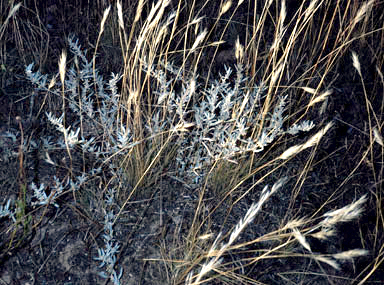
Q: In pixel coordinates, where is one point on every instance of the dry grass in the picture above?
(290, 52)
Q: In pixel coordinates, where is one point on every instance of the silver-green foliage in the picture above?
(220, 118)
(207, 125)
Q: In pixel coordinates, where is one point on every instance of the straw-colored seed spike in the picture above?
(295, 223)
(196, 23)
(380, 73)
(344, 214)
(52, 82)
(225, 7)
(239, 51)
(62, 62)
(275, 74)
(105, 16)
(324, 234)
(139, 10)
(309, 90)
(205, 237)
(316, 138)
(196, 20)
(350, 254)
(377, 136)
(311, 142)
(197, 27)
(199, 39)
(310, 9)
(362, 11)
(327, 261)
(301, 239)
(356, 62)
(323, 96)
(290, 152)
(120, 14)
(283, 14)
(156, 14)
(163, 32)
(13, 10)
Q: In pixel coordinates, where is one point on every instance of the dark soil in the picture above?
(58, 245)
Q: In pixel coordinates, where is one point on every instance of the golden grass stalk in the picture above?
(350, 254)
(309, 11)
(345, 214)
(324, 234)
(356, 62)
(255, 208)
(239, 51)
(377, 136)
(62, 70)
(105, 16)
(120, 15)
(362, 11)
(301, 239)
(320, 98)
(240, 2)
(62, 63)
(139, 10)
(147, 48)
(327, 260)
(102, 24)
(199, 39)
(311, 142)
(226, 6)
